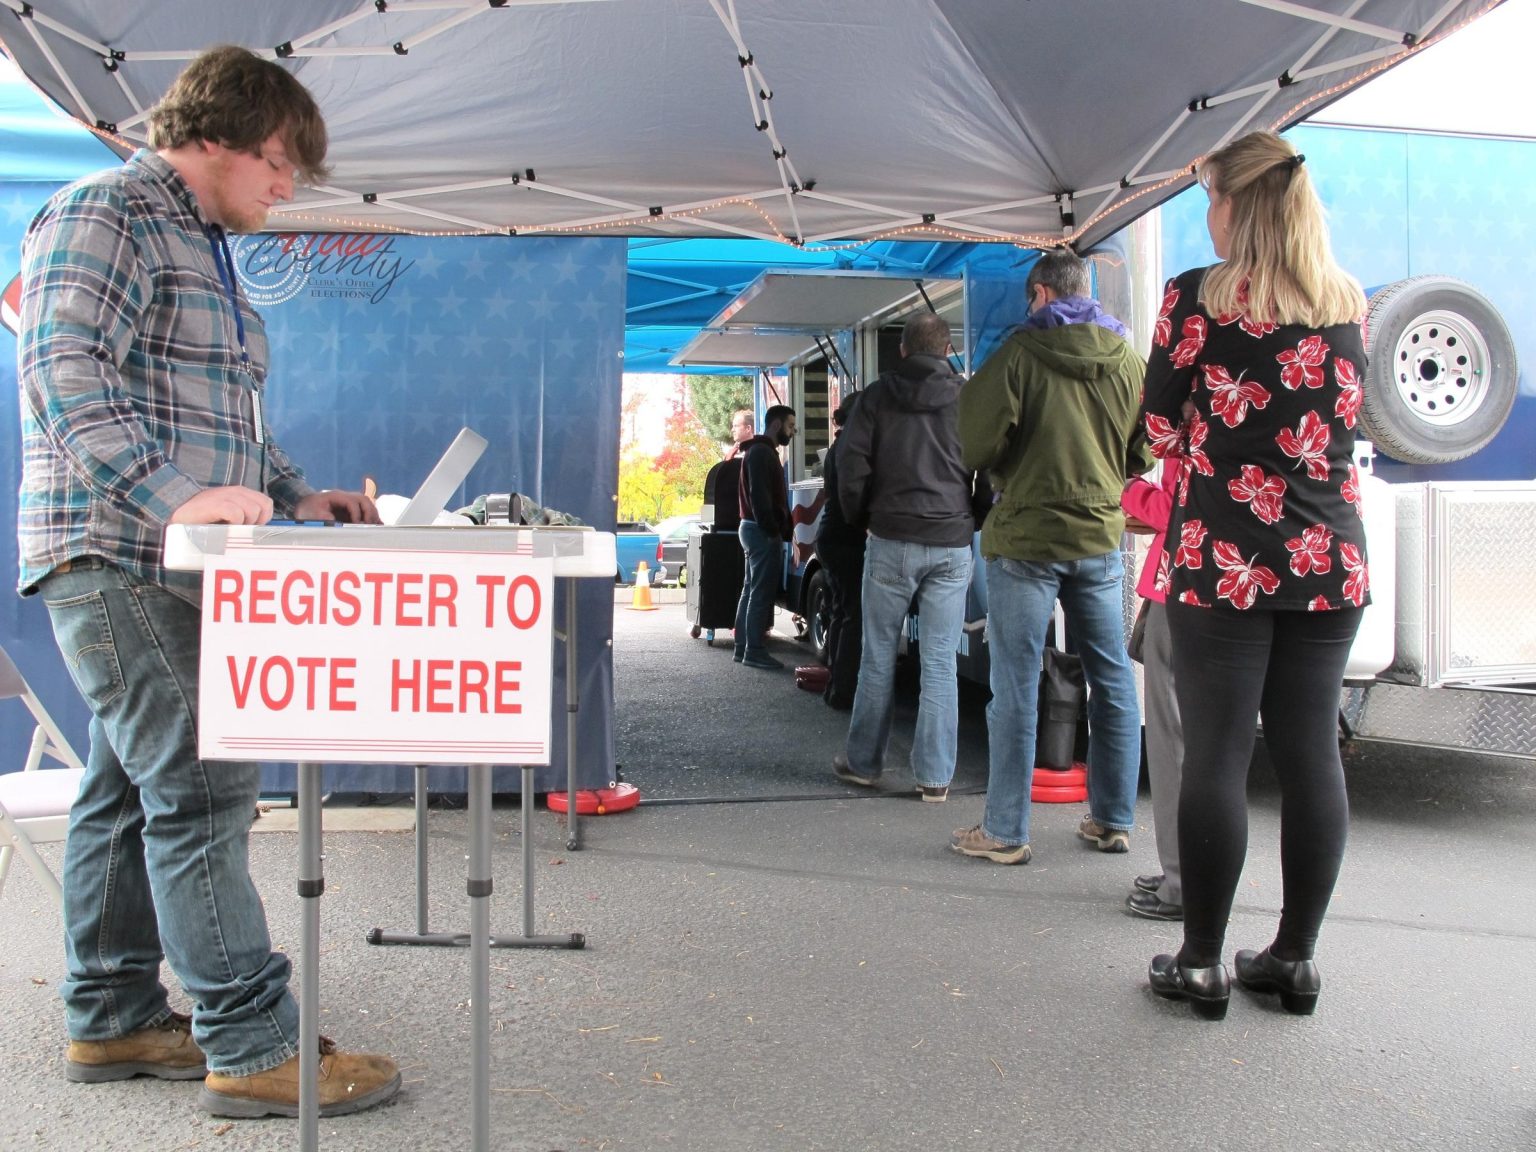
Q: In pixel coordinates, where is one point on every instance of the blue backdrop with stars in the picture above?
(382, 348)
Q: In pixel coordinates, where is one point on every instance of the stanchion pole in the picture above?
(478, 886)
(311, 884)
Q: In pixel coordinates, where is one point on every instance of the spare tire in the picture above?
(1442, 376)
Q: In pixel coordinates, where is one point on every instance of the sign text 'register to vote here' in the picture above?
(376, 657)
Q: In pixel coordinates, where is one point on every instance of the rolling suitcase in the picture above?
(716, 569)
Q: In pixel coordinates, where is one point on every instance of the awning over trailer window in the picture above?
(778, 317)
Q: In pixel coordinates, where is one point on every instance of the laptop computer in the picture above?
(444, 479)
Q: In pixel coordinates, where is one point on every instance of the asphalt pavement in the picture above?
(778, 962)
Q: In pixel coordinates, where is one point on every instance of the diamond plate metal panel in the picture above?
(1489, 590)
(1472, 719)
(1466, 583)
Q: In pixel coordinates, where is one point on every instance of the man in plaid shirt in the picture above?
(142, 368)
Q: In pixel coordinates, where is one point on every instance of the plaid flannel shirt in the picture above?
(134, 396)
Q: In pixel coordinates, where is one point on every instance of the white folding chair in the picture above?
(35, 802)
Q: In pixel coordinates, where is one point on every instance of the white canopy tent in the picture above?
(806, 121)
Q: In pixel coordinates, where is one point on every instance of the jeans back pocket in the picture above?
(83, 630)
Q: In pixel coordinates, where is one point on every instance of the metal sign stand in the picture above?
(572, 940)
(591, 554)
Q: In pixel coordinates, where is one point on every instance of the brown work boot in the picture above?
(349, 1082)
(166, 1050)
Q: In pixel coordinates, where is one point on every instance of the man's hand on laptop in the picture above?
(228, 505)
(333, 504)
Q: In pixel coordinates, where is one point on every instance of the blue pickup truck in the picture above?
(637, 541)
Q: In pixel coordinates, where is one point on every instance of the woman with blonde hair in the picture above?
(1254, 380)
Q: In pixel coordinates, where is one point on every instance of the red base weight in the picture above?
(1060, 785)
(618, 798)
(812, 677)
(1041, 795)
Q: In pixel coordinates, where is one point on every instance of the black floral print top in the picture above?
(1268, 509)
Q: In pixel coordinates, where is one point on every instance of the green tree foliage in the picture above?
(714, 398)
(672, 482)
(688, 456)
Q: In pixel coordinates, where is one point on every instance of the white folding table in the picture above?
(576, 553)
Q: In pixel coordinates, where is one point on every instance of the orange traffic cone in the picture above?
(642, 598)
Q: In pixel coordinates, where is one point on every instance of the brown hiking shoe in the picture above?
(974, 842)
(166, 1050)
(1108, 839)
(349, 1082)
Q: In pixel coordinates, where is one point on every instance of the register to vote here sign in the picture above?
(368, 656)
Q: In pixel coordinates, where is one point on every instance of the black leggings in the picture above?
(1230, 669)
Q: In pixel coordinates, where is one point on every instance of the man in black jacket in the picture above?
(899, 475)
(765, 526)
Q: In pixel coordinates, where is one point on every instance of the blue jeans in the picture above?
(764, 554)
(1021, 594)
(894, 572)
(156, 864)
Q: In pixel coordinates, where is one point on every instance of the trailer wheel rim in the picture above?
(1441, 368)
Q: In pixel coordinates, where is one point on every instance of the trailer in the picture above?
(1447, 654)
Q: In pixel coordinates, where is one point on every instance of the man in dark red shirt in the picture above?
(765, 526)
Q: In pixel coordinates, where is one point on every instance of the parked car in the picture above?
(636, 541)
(672, 549)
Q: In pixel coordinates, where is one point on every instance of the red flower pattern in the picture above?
(1241, 318)
(1163, 437)
(1358, 582)
(1162, 331)
(1194, 339)
(1309, 551)
(1265, 495)
(1247, 323)
(1244, 579)
(1230, 398)
(1303, 366)
(1277, 399)
(1309, 444)
(1351, 395)
(1191, 537)
(1351, 491)
(1194, 446)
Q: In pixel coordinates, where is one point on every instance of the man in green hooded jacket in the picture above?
(1053, 416)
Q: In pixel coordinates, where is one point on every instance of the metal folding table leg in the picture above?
(311, 885)
(571, 940)
(478, 886)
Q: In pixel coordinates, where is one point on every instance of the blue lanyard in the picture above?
(226, 265)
